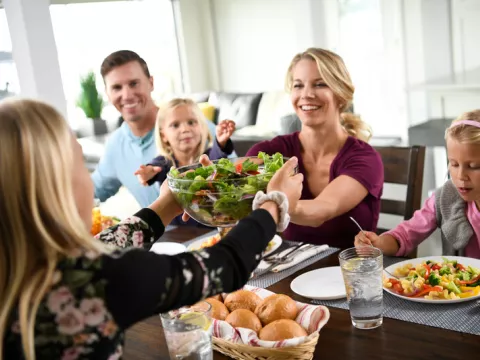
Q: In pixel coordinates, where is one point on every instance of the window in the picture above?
(85, 33)
(9, 84)
(370, 42)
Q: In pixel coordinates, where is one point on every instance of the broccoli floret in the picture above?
(434, 279)
(463, 275)
(445, 271)
(453, 262)
(453, 288)
(473, 271)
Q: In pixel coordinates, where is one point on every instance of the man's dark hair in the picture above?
(119, 58)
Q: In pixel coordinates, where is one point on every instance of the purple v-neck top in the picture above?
(356, 159)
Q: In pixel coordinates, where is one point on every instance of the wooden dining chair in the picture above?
(403, 165)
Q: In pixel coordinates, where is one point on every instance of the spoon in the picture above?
(358, 225)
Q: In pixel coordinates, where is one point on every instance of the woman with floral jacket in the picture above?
(64, 295)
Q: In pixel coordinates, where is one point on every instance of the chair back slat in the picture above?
(403, 165)
(394, 207)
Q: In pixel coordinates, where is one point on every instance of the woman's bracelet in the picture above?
(278, 198)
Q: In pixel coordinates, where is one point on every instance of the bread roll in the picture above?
(245, 319)
(281, 330)
(276, 307)
(217, 297)
(242, 299)
(219, 310)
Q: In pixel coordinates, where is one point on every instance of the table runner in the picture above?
(271, 278)
(462, 317)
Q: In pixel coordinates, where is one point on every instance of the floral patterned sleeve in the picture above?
(139, 230)
(141, 284)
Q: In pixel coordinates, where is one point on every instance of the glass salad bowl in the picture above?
(221, 194)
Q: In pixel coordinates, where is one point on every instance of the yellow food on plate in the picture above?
(212, 240)
(101, 222)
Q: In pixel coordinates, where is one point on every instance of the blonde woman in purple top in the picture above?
(453, 208)
(343, 175)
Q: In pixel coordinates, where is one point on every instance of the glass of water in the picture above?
(188, 332)
(362, 269)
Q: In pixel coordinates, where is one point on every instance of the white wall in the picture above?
(198, 52)
(35, 52)
(256, 39)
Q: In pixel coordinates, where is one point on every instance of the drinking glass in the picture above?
(188, 332)
(362, 269)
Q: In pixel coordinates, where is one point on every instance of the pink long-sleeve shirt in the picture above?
(411, 233)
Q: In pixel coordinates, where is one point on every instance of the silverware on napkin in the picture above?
(292, 249)
(284, 259)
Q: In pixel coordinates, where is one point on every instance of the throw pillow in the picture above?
(208, 110)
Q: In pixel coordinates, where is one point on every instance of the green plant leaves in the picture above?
(90, 100)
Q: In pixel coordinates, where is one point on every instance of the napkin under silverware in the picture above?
(297, 258)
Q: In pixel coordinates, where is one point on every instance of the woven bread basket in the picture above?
(303, 351)
(243, 344)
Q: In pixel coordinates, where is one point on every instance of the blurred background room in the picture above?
(414, 63)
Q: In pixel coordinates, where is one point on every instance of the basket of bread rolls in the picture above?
(254, 323)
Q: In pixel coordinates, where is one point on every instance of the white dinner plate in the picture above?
(275, 244)
(462, 260)
(321, 284)
(168, 248)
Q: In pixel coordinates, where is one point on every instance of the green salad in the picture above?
(222, 193)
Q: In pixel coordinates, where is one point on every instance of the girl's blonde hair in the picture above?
(164, 149)
(39, 220)
(334, 73)
(462, 133)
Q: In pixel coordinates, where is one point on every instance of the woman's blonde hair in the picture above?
(39, 220)
(334, 73)
(463, 133)
(164, 148)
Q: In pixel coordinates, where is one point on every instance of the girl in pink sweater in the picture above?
(454, 207)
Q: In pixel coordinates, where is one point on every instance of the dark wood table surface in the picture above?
(395, 339)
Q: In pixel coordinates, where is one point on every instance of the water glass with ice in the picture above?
(362, 269)
(188, 332)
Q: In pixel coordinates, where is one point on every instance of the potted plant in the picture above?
(92, 103)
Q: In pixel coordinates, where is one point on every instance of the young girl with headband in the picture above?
(453, 208)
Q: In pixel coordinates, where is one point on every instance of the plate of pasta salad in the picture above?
(434, 279)
(208, 241)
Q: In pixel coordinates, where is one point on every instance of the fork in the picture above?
(358, 225)
(290, 254)
(284, 259)
(292, 249)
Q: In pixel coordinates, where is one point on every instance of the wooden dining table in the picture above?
(338, 340)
